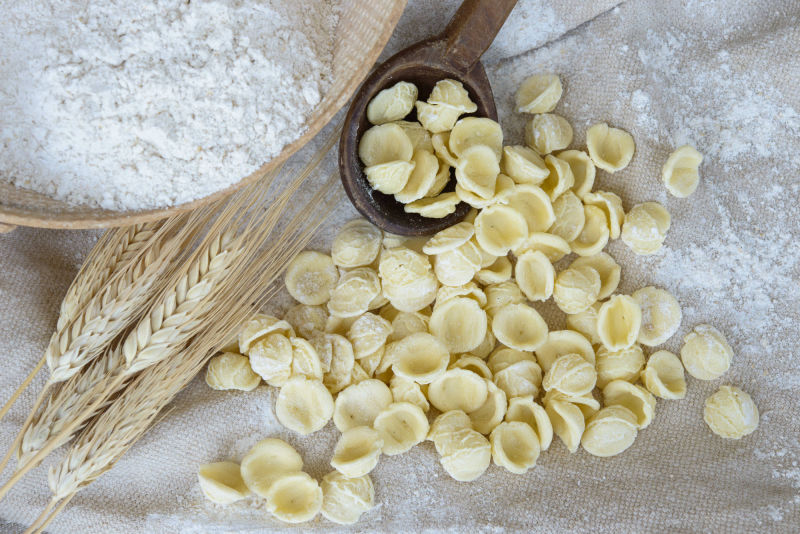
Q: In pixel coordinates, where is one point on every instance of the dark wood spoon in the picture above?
(453, 54)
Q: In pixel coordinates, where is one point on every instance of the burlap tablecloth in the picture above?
(723, 75)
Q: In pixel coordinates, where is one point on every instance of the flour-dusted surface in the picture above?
(136, 104)
(719, 74)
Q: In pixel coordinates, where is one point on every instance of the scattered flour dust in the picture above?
(137, 104)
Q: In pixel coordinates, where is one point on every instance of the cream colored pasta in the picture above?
(303, 405)
(618, 322)
(354, 292)
(441, 146)
(500, 229)
(310, 277)
(586, 403)
(435, 207)
(359, 404)
(560, 179)
(519, 379)
(608, 269)
(452, 93)
(221, 482)
(681, 171)
(476, 131)
(585, 322)
(268, 460)
(706, 353)
(533, 204)
(457, 389)
(294, 498)
(390, 177)
(306, 320)
(624, 364)
(611, 149)
(472, 198)
(498, 271)
(440, 181)
(421, 179)
(526, 410)
(459, 323)
(401, 426)
(447, 423)
(524, 165)
(570, 374)
(547, 133)
(487, 345)
(405, 390)
(633, 397)
(515, 446)
(360, 374)
(436, 118)
(371, 362)
(469, 290)
(663, 376)
(357, 451)
(450, 238)
(550, 245)
(535, 275)
(419, 357)
(342, 360)
(583, 170)
(609, 432)
(384, 144)
(576, 288)
(611, 205)
(271, 358)
(519, 326)
(406, 323)
(561, 342)
(305, 361)
(368, 334)
(345, 499)
(477, 171)
(230, 370)
(661, 315)
(503, 357)
(463, 452)
(491, 412)
(731, 413)
(392, 103)
(538, 94)
(458, 266)
(594, 235)
(567, 421)
(407, 279)
(646, 227)
(499, 295)
(569, 217)
(419, 136)
(357, 244)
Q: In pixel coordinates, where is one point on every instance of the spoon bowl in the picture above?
(453, 54)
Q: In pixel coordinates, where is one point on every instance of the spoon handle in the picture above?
(472, 29)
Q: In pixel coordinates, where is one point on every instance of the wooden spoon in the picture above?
(453, 54)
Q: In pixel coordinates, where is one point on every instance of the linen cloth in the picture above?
(721, 75)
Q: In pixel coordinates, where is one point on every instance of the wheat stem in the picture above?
(25, 383)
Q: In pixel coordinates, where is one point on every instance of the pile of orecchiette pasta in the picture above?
(389, 331)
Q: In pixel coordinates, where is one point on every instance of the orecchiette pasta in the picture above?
(354, 292)
(561, 342)
(681, 172)
(731, 413)
(570, 374)
(401, 426)
(611, 149)
(663, 376)
(221, 482)
(271, 358)
(359, 374)
(567, 421)
(633, 397)
(474, 131)
(491, 412)
(392, 104)
(458, 389)
(469, 290)
(515, 446)
(406, 323)
(576, 288)
(458, 266)
(448, 239)
(594, 235)
(624, 364)
(390, 177)
(405, 390)
(310, 277)
(477, 170)
(586, 403)
(464, 452)
(646, 227)
(560, 179)
(294, 498)
(538, 94)
(611, 205)
(359, 404)
(550, 245)
(357, 451)
(533, 204)
(436, 118)
(368, 334)
(342, 360)
(535, 275)
(519, 326)
(583, 170)
(435, 207)
(441, 146)
(610, 431)
(345, 499)
(407, 279)
(440, 181)
(503, 357)
(500, 229)
(585, 322)
(487, 345)
(569, 217)
(548, 132)
(231, 371)
(419, 136)
(307, 320)
(661, 315)
(357, 244)
(421, 179)
(526, 410)
(268, 460)
(706, 353)
(305, 361)
(519, 379)
(524, 165)
(448, 423)
(498, 295)
(460, 323)
(419, 357)
(618, 322)
(258, 327)
(452, 93)
(608, 269)
(498, 271)
(304, 405)
(384, 144)
(371, 362)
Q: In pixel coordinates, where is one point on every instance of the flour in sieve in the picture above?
(138, 104)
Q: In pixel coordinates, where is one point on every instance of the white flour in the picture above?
(137, 104)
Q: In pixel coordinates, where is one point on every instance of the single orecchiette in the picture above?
(354, 292)
(583, 170)
(357, 244)
(307, 320)
(384, 144)
(526, 410)
(437, 118)
(359, 404)
(519, 326)
(611, 205)
(457, 266)
(731, 413)
(576, 288)
(368, 334)
(618, 322)
(567, 421)
(305, 360)
(498, 295)
(646, 227)
(548, 132)
(294, 498)
(663, 376)
(610, 431)
(538, 94)
(304, 405)
(515, 446)
(268, 460)
(435, 207)
(221, 482)
(345, 499)
(342, 360)
(561, 342)
(419, 136)
(706, 353)
(458, 389)
(661, 315)
(569, 217)
(230, 370)
(310, 277)
(633, 397)
(519, 379)
(357, 451)
(460, 323)
(624, 364)
(474, 131)
(390, 177)
(452, 93)
(560, 179)
(271, 358)
(498, 271)
(524, 165)
(611, 149)
(392, 104)
(258, 327)
(421, 179)
(681, 171)
(533, 204)
(477, 171)
(491, 412)
(570, 374)
(499, 229)
(401, 425)
(535, 275)
(419, 357)
(449, 238)
(585, 322)
(463, 452)
(594, 235)
(405, 390)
